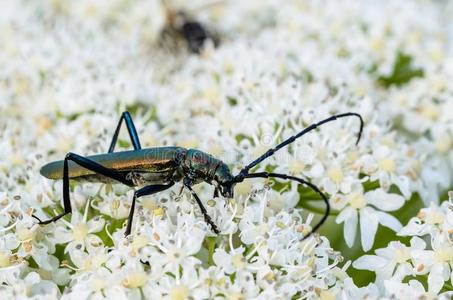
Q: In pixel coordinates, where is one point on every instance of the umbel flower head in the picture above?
(68, 70)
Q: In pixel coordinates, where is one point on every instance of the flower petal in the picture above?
(350, 228)
(369, 262)
(388, 221)
(384, 201)
(368, 227)
(435, 278)
(344, 215)
(96, 224)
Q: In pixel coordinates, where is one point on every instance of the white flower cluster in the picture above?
(403, 271)
(68, 70)
(257, 256)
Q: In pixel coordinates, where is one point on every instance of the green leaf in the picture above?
(210, 245)
(123, 143)
(402, 73)
(232, 101)
(240, 137)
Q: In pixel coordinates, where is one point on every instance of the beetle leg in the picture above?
(144, 191)
(90, 165)
(130, 128)
(300, 181)
(207, 218)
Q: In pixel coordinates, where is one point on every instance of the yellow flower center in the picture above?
(221, 282)
(335, 174)
(352, 156)
(326, 295)
(97, 284)
(47, 275)
(179, 292)
(173, 255)
(437, 55)
(444, 144)
(402, 255)
(43, 125)
(280, 224)
(26, 234)
(94, 262)
(235, 296)
(4, 259)
(136, 279)
(79, 232)
(243, 188)
(356, 200)
(64, 145)
(296, 167)
(434, 217)
(149, 204)
(444, 254)
(238, 261)
(387, 164)
(139, 242)
(430, 111)
(270, 277)
(212, 94)
(17, 159)
(302, 271)
(377, 44)
(158, 212)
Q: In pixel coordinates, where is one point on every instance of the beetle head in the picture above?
(225, 181)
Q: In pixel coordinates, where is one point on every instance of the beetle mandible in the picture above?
(156, 169)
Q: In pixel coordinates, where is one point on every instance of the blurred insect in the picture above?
(182, 26)
(156, 169)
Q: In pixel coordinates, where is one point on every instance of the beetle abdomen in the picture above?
(154, 160)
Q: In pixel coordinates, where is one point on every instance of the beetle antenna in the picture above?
(271, 151)
(244, 173)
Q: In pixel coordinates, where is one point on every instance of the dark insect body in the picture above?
(196, 36)
(153, 170)
(181, 25)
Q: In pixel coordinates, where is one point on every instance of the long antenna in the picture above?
(290, 140)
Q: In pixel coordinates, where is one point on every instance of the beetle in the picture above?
(153, 170)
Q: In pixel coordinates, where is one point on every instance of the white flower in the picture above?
(438, 261)
(432, 220)
(69, 68)
(30, 286)
(79, 234)
(371, 208)
(413, 290)
(177, 244)
(97, 285)
(394, 261)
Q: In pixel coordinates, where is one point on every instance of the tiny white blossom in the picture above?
(371, 208)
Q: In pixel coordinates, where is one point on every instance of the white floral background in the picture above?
(69, 68)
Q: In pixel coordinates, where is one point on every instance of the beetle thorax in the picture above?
(200, 165)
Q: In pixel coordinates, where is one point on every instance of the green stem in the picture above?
(315, 209)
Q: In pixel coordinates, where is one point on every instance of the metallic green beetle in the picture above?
(156, 169)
